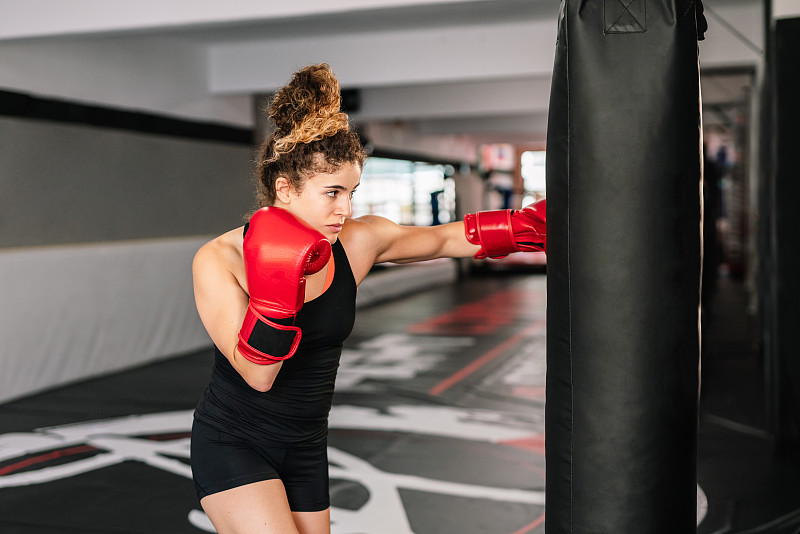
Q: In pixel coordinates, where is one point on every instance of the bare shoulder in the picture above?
(367, 227)
(362, 238)
(222, 254)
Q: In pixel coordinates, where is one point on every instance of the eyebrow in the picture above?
(340, 187)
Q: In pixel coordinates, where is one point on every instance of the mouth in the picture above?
(335, 228)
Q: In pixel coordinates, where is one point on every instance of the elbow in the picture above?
(258, 376)
(260, 382)
(260, 385)
(261, 377)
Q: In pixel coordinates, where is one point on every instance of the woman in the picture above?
(278, 300)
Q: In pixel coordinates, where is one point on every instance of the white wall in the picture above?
(161, 75)
(723, 47)
(785, 9)
(98, 228)
(41, 18)
(405, 56)
(72, 312)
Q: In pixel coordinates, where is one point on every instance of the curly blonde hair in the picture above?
(311, 133)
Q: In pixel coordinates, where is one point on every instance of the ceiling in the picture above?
(475, 68)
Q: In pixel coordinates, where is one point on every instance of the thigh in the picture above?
(313, 522)
(221, 461)
(305, 477)
(260, 507)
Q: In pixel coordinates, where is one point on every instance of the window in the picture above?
(533, 176)
(406, 192)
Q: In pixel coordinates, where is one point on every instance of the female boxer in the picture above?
(277, 297)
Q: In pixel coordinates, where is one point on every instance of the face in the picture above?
(325, 201)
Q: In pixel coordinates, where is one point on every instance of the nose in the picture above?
(344, 207)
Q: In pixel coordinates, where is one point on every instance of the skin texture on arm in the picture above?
(374, 239)
(220, 290)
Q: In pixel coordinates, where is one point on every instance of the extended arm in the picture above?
(482, 234)
(379, 240)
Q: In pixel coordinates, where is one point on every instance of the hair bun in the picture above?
(307, 109)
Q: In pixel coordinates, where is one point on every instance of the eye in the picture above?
(333, 193)
(353, 192)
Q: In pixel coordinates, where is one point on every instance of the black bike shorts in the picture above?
(221, 462)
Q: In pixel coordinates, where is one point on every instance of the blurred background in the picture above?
(128, 132)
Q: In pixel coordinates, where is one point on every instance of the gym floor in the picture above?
(437, 427)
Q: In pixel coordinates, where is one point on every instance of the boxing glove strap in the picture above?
(265, 341)
(492, 230)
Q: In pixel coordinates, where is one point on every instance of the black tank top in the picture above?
(295, 409)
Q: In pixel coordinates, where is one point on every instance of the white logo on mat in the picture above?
(118, 440)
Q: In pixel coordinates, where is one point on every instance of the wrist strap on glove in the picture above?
(491, 230)
(266, 341)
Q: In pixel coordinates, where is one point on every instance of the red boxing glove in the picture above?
(502, 232)
(279, 250)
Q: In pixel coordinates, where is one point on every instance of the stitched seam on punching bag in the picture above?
(690, 8)
(609, 28)
(621, 13)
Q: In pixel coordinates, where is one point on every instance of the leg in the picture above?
(305, 479)
(313, 522)
(260, 507)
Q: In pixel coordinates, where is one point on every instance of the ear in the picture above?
(283, 190)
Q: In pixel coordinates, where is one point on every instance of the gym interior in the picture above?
(128, 134)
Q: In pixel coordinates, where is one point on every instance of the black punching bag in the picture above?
(623, 274)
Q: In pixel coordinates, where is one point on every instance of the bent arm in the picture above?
(222, 303)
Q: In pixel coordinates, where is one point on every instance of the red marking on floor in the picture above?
(481, 317)
(170, 437)
(529, 392)
(533, 443)
(474, 365)
(528, 528)
(45, 458)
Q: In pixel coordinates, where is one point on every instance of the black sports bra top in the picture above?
(295, 409)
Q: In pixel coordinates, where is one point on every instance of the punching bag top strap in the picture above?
(702, 23)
